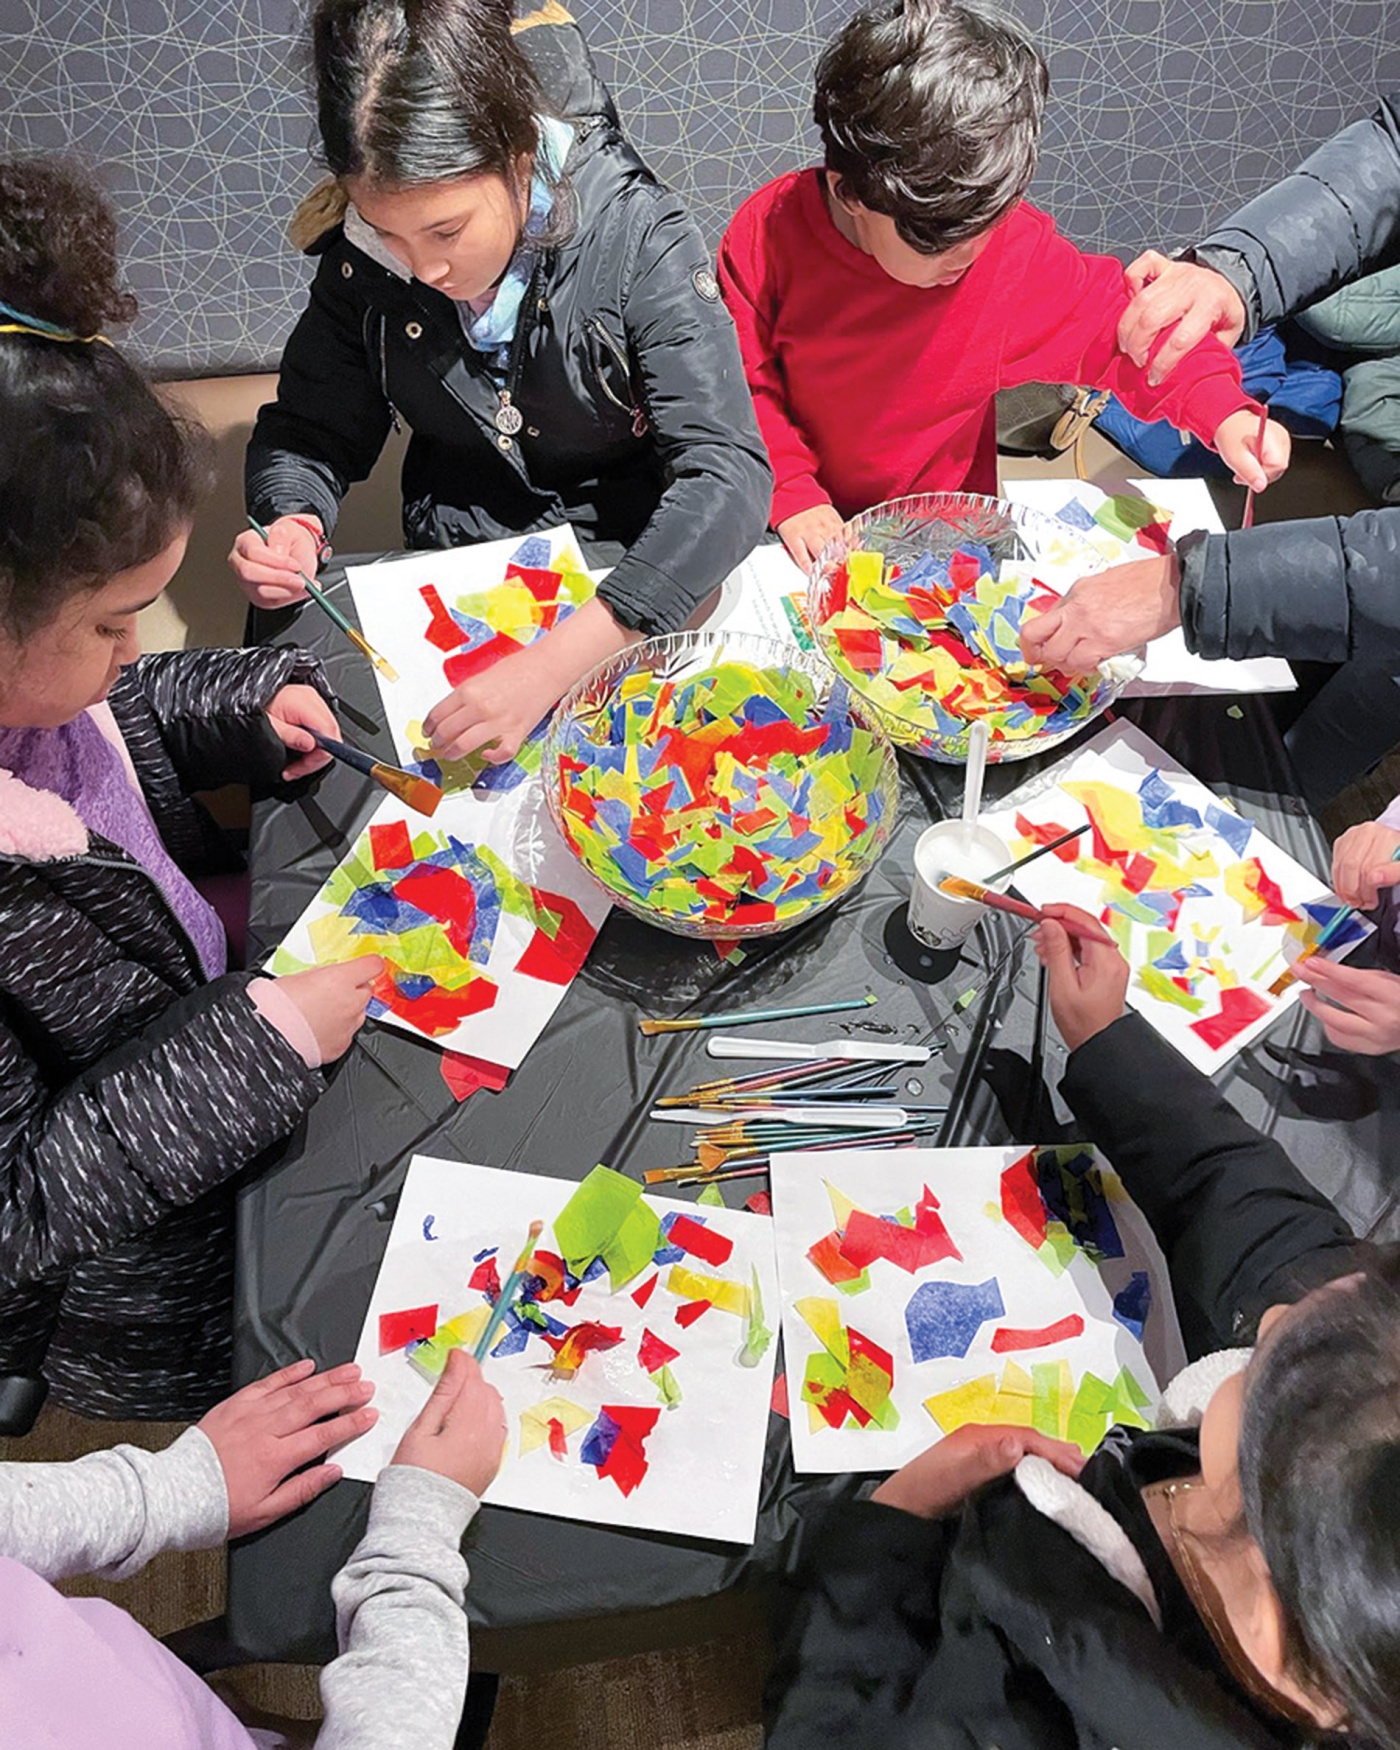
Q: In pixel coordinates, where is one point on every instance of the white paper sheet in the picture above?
(967, 1184)
(1255, 952)
(705, 1454)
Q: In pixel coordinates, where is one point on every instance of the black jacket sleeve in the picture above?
(330, 419)
(1334, 219)
(208, 709)
(1240, 1227)
(178, 1109)
(865, 1627)
(718, 485)
(1323, 590)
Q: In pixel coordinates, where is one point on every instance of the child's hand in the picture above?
(1104, 615)
(267, 570)
(1088, 980)
(1359, 1007)
(274, 1427)
(292, 712)
(1198, 299)
(1361, 864)
(461, 1431)
(333, 1000)
(805, 534)
(493, 713)
(942, 1478)
(1237, 444)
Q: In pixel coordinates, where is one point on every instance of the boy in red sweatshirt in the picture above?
(882, 300)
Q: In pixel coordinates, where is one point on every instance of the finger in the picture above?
(456, 703)
(505, 750)
(1384, 874)
(1342, 1028)
(1056, 952)
(251, 546)
(304, 767)
(1060, 1453)
(1191, 329)
(432, 1418)
(298, 1491)
(302, 1405)
(273, 595)
(467, 742)
(284, 1376)
(298, 1449)
(1353, 985)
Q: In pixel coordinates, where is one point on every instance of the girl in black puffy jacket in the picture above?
(499, 270)
(138, 1075)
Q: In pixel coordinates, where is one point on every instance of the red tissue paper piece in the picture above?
(466, 1075)
(437, 1011)
(778, 1403)
(468, 663)
(1006, 1341)
(1021, 1202)
(686, 1315)
(699, 1241)
(580, 1341)
(558, 1440)
(867, 1237)
(398, 1329)
(390, 846)
(826, 1257)
(487, 1278)
(1276, 908)
(1238, 1008)
(547, 1268)
(445, 895)
(643, 1294)
(759, 1204)
(555, 960)
(443, 631)
(626, 1463)
(653, 1354)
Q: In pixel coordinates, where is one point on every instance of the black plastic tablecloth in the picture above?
(312, 1227)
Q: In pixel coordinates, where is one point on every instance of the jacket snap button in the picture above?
(346, 271)
(414, 330)
(532, 431)
(503, 442)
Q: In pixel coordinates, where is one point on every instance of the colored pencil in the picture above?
(419, 793)
(692, 1023)
(960, 889)
(1039, 851)
(503, 1299)
(1247, 520)
(328, 607)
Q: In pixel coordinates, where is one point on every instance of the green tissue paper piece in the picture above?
(1157, 984)
(591, 1220)
(857, 1284)
(666, 1388)
(757, 1336)
(712, 1197)
(1045, 1398)
(631, 1247)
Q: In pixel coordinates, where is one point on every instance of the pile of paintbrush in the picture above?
(831, 1096)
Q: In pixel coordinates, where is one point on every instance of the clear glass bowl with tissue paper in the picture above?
(919, 602)
(720, 784)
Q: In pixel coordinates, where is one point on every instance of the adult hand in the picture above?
(805, 534)
(461, 1431)
(1252, 463)
(1105, 614)
(267, 570)
(277, 1425)
(1199, 300)
(1361, 864)
(942, 1478)
(494, 712)
(1359, 1007)
(1088, 979)
(293, 712)
(333, 1000)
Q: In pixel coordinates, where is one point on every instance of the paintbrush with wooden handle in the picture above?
(418, 792)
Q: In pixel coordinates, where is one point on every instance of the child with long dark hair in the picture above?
(138, 1075)
(1230, 1579)
(503, 273)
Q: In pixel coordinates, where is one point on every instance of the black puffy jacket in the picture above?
(638, 427)
(997, 1626)
(1326, 589)
(133, 1089)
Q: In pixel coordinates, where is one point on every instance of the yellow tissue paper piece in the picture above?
(972, 1402)
(842, 1208)
(730, 1297)
(534, 1422)
(824, 1317)
(1013, 1405)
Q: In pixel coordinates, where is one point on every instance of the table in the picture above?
(312, 1228)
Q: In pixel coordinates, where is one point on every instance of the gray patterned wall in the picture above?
(1162, 117)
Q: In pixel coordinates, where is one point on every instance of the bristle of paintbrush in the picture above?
(418, 792)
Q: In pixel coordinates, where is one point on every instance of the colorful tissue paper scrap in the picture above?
(617, 1412)
(1206, 909)
(483, 920)
(983, 1333)
(734, 795)
(442, 618)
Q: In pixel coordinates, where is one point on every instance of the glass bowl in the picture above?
(739, 831)
(890, 638)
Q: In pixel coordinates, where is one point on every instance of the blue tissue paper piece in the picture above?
(1133, 1302)
(943, 1318)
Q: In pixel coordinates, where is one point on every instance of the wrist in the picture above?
(312, 525)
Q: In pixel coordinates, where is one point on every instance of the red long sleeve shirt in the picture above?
(867, 389)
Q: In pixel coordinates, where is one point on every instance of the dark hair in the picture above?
(416, 91)
(1319, 1467)
(96, 475)
(930, 114)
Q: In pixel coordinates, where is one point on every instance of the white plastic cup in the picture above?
(937, 919)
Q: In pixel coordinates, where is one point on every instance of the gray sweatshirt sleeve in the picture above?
(109, 1513)
(401, 1677)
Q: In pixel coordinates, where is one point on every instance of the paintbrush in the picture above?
(328, 607)
(757, 1163)
(1247, 520)
(503, 1299)
(419, 793)
(1039, 851)
(794, 1075)
(692, 1023)
(1335, 926)
(1018, 908)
